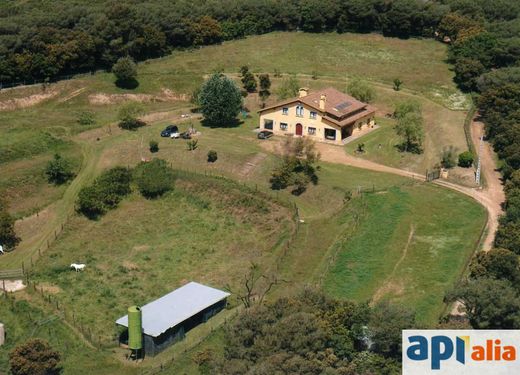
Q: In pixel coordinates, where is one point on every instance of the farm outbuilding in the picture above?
(167, 319)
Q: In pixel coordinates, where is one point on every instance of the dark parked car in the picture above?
(169, 130)
(264, 134)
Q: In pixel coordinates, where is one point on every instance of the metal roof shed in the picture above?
(165, 320)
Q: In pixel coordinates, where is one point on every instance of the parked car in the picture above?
(264, 134)
(186, 135)
(169, 130)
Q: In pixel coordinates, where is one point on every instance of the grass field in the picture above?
(24, 320)
(421, 246)
(34, 132)
(206, 230)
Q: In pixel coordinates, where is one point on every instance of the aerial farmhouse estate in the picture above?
(326, 115)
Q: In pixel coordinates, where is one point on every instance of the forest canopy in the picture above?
(79, 36)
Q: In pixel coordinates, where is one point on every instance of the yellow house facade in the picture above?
(326, 115)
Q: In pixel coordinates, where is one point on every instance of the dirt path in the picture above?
(493, 189)
(251, 164)
(387, 285)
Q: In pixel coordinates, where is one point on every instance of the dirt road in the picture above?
(493, 190)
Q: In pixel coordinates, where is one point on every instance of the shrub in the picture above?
(466, 159)
(361, 90)
(248, 79)
(125, 71)
(58, 170)
(105, 193)
(397, 84)
(192, 144)
(86, 118)
(153, 178)
(34, 357)
(8, 237)
(154, 146)
(406, 107)
(129, 116)
(360, 148)
(212, 156)
(288, 88)
(448, 158)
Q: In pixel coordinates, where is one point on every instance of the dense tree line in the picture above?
(484, 41)
(77, 36)
(312, 334)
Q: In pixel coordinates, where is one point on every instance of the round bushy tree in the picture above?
(35, 357)
(466, 159)
(58, 170)
(153, 178)
(125, 71)
(220, 100)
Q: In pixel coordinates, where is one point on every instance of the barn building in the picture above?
(167, 319)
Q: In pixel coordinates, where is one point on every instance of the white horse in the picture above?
(1, 249)
(78, 267)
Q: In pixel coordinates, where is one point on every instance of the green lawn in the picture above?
(372, 261)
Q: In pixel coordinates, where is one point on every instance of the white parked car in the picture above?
(175, 134)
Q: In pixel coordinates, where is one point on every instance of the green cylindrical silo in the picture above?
(135, 332)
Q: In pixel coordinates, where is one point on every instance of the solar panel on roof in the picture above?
(342, 106)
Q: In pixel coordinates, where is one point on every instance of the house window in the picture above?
(268, 124)
(285, 111)
(283, 126)
(313, 115)
(330, 134)
(299, 111)
(312, 131)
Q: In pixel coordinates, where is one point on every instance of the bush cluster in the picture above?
(153, 178)
(105, 193)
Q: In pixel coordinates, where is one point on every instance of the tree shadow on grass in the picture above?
(128, 84)
(413, 148)
(235, 123)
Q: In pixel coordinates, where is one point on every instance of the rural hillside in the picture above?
(254, 187)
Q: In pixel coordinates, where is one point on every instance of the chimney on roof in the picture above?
(303, 92)
(323, 100)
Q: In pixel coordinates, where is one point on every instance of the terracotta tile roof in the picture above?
(338, 106)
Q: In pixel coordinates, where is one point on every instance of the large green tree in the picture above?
(125, 71)
(220, 100)
(409, 126)
(489, 303)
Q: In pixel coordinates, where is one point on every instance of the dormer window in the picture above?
(299, 110)
(285, 111)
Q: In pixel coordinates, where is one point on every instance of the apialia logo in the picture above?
(460, 352)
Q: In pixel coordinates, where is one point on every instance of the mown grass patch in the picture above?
(446, 227)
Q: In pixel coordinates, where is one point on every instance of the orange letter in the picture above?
(478, 353)
(509, 353)
(497, 350)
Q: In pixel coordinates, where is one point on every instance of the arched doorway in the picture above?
(299, 129)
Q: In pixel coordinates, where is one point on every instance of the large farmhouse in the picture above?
(327, 115)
